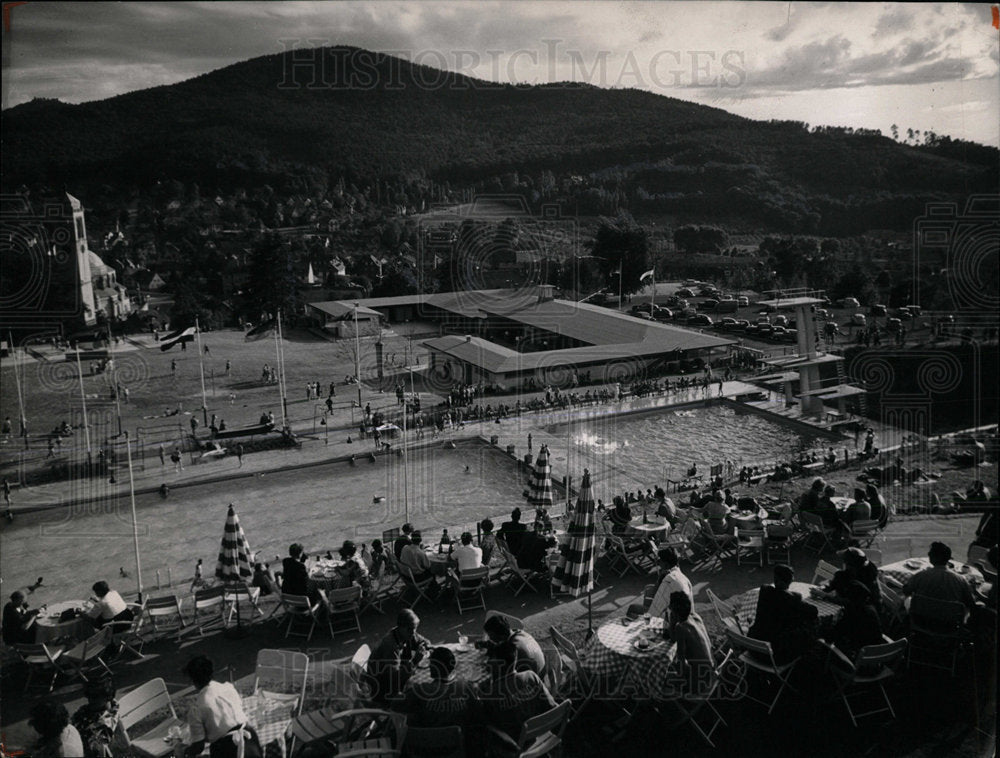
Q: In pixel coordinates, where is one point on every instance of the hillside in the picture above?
(362, 115)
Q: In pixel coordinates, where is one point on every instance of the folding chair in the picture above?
(937, 632)
(241, 596)
(138, 705)
(581, 682)
(725, 612)
(282, 675)
(824, 573)
(750, 540)
(540, 735)
(515, 624)
(350, 733)
(165, 615)
(716, 546)
(468, 588)
(344, 604)
(300, 609)
(813, 525)
(129, 639)
(431, 742)
(86, 654)
(693, 705)
(418, 588)
(778, 543)
(758, 655)
(874, 555)
(873, 666)
(40, 657)
(978, 555)
(865, 532)
(517, 579)
(553, 673)
(209, 608)
(892, 612)
(384, 587)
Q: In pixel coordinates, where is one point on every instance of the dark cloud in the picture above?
(899, 19)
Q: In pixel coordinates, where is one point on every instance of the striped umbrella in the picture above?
(234, 557)
(540, 488)
(575, 571)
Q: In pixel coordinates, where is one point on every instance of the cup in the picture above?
(646, 618)
(463, 640)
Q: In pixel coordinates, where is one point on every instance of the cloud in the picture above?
(899, 19)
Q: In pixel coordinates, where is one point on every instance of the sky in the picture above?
(925, 66)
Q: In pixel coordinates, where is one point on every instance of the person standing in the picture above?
(239, 453)
(6, 499)
(229, 366)
(163, 460)
(199, 577)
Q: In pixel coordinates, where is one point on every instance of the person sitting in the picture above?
(377, 559)
(217, 717)
(783, 618)
(19, 621)
(529, 653)
(513, 531)
(402, 540)
(620, 515)
(880, 510)
(294, 575)
(673, 581)
(97, 719)
(534, 552)
(509, 698)
(57, 738)
(447, 700)
(857, 568)
(859, 510)
(940, 582)
(467, 555)
(692, 670)
(352, 571)
(109, 608)
(415, 559)
(487, 540)
(827, 510)
(809, 502)
(718, 516)
(392, 661)
(859, 624)
(263, 579)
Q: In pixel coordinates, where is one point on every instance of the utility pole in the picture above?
(357, 354)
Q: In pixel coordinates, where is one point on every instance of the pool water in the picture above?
(646, 449)
(318, 506)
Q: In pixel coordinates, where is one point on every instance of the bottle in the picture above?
(445, 542)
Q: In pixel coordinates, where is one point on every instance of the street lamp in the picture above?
(357, 354)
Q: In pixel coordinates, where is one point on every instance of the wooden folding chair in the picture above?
(814, 527)
(300, 609)
(344, 604)
(871, 667)
(165, 615)
(750, 541)
(209, 608)
(758, 656)
(419, 589)
(87, 654)
(824, 573)
(468, 588)
(725, 612)
(540, 735)
(938, 633)
(241, 596)
(349, 733)
(583, 685)
(40, 657)
(130, 639)
(693, 706)
(778, 543)
(282, 675)
(137, 706)
(865, 532)
(517, 579)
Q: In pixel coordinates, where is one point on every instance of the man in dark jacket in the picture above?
(294, 576)
(783, 618)
(513, 531)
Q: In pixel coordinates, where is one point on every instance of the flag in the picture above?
(259, 332)
(647, 275)
(181, 335)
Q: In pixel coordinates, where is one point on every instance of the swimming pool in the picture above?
(645, 449)
(319, 506)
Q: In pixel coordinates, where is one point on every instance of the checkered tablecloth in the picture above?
(611, 652)
(470, 665)
(271, 719)
(745, 605)
(901, 571)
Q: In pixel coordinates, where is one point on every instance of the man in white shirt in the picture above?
(467, 555)
(109, 606)
(414, 558)
(673, 581)
(216, 716)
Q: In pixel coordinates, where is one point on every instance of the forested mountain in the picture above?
(364, 117)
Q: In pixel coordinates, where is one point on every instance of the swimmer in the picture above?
(467, 469)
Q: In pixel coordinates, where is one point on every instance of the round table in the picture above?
(745, 605)
(323, 573)
(439, 563)
(49, 627)
(746, 520)
(841, 503)
(470, 664)
(901, 571)
(612, 653)
(649, 530)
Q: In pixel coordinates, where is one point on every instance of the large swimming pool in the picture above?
(645, 449)
(318, 506)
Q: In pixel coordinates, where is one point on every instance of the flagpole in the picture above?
(281, 377)
(652, 295)
(83, 399)
(17, 380)
(277, 353)
(114, 381)
(135, 523)
(201, 366)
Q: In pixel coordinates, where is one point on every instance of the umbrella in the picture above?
(575, 571)
(234, 557)
(540, 487)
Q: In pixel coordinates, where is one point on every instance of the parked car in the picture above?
(741, 325)
(743, 301)
(893, 325)
(764, 320)
(642, 315)
(707, 305)
(849, 302)
(878, 311)
(914, 310)
(791, 335)
(726, 324)
(858, 319)
(763, 330)
(700, 319)
(822, 314)
(708, 292)
(664, 314)
(778, 332)
(780, 321)
(684, 292)
(727, 306)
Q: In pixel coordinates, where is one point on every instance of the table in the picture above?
(901, 571)
(610, 652)
(746, 520)
(49, 628)
(469, 665)
(649, 530)
(841, 503)
(745, 605)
